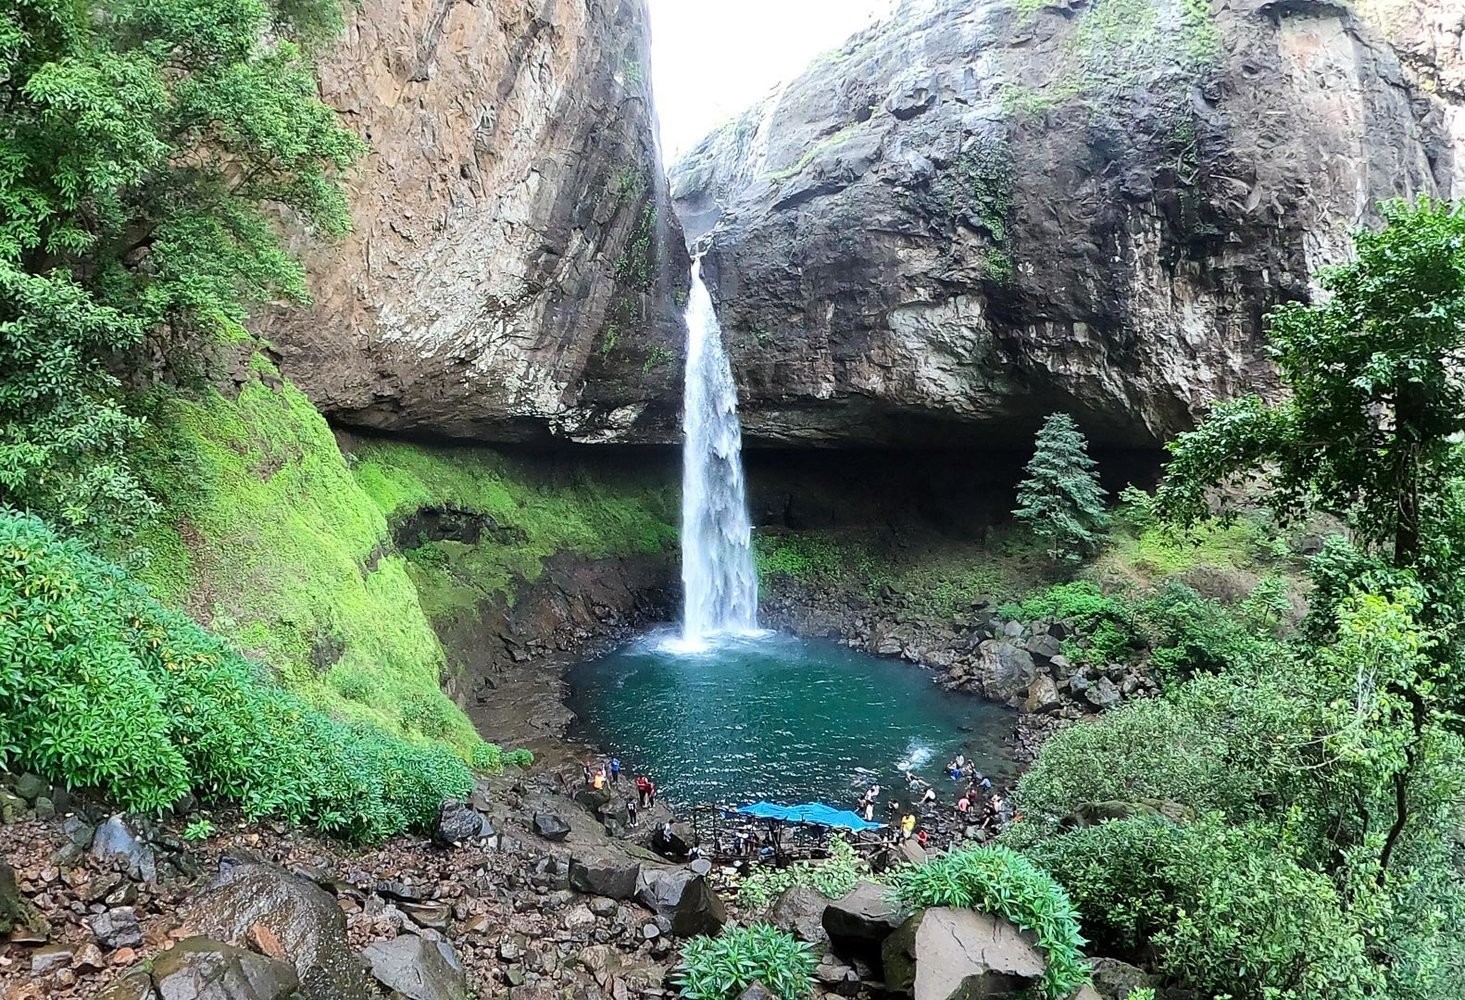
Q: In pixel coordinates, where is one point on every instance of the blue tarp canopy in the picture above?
(813, 812)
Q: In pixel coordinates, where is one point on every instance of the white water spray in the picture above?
(718, 578)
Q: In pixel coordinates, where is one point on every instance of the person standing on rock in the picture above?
(644, 789)
(907, 826)
(869, 811)
(631, 813)
(615, 770)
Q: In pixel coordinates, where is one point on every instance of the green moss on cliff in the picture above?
(532, 518)
(267, 537)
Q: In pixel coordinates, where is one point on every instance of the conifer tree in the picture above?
(1061, 500)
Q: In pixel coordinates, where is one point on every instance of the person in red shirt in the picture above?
(921, 837)
(646, 790)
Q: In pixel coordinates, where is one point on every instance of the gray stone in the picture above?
(301, 916)
(115, 841)
(756, 991)
(458, 824)
(1102, 693)
(943, 953)
(799, 909)
(31, 787)
(685, 899)
(1116, 980)
(200, 969)
(117, 928)
(865, 916)
(1044, 647)
(551, 827)
(1006, 670)
(418, 969)
(1042, 695)
(604, 874)
(47, 960)
(45, 808)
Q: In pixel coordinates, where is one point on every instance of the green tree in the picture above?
(1061, 500)
(148, 149)
(1367, 432)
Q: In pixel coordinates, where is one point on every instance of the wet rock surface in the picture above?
(977, 213)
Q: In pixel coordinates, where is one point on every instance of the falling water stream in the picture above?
(719, 581)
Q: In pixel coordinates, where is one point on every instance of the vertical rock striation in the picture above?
(981, 211)
(515, 268)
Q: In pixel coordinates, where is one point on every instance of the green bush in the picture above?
(106, 689)
(1190, 634)
(724, 966)
(833, 877)
(1106, 625)
(1240, 746)
(1000, 881)
(1229, 911)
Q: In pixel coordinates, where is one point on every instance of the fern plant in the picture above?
(723, 967)
(1000, 881)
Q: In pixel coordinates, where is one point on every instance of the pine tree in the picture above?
(1061, 500)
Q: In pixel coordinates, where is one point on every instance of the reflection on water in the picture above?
(779, 718)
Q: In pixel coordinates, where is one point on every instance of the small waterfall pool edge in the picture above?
(779, 718)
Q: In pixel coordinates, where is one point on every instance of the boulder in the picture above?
(911, 852)
(605, 874)
(551, 827)
(418, 969)
(799, 910)
(685, 899)
(1116, 980)
(863, 918)
(115, 841)
(1044, 646)
(200, 969)
(31, 787)
(943, 953)
(674, 840)
(457, 824)
(246, 899)
(117, 928)
(756, 991)
(1042, 695)
(1102, 693)
(1006, 670)
(47, 960)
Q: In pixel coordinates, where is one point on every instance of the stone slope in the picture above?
(982, 211)
(514, 269)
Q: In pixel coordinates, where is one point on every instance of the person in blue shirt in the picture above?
(615, 770)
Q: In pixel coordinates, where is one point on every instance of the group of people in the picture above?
(977, 803)
(607, 774)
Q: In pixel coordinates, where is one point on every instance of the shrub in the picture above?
(1106, 625)
(833, 877)
(1228, 910)
(1000, 881)
(1190, 634)
(1060, 500)
(725, 966)
(104, 688)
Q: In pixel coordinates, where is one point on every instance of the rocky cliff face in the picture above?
(515, 265)
(981, 211)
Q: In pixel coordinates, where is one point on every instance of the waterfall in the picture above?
(719, 581)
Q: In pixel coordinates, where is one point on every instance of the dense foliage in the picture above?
(1000, 881)
(723, 967)
(147, 148)
(104, 688)
(833, 877)
(1312, 785)
(1060, 499)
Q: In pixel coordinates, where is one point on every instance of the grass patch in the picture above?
(595, 516)
(267, 537)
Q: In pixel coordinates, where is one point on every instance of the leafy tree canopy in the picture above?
(147, 148)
